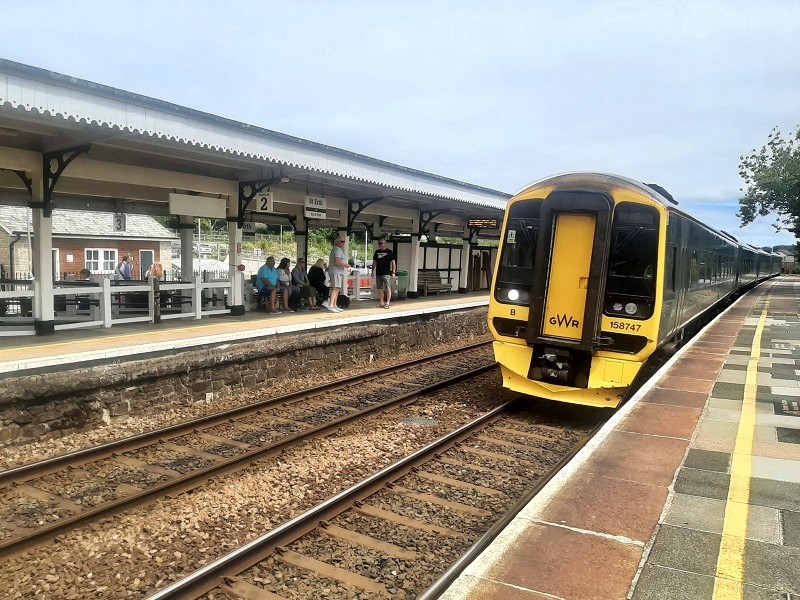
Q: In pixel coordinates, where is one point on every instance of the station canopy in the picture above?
(104, 149)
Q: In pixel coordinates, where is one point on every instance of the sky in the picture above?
(495, 93)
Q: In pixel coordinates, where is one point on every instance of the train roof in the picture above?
(652, 191)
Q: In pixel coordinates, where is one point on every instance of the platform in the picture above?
(691, 490)
(27, 354)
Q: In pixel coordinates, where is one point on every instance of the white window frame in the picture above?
(95, 264)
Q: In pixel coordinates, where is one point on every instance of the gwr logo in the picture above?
(564, 321)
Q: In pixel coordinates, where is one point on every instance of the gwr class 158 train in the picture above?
(595, 273)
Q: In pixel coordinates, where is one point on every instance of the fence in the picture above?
(104, 302)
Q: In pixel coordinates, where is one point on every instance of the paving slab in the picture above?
(708, 460)
(566, 553)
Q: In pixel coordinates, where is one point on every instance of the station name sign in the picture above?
(483, 223)
(249, 229)
(315, 207)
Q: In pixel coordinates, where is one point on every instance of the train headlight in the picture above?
(617, 307)
(631, 308)
(514, 295)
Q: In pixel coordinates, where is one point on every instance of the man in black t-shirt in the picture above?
(384, 268)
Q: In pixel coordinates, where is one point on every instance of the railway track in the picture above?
(47, 498)
(399, 531)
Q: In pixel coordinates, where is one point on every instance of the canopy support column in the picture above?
(413, 267)
(186, 227)
(466, 251)
(301, 239)
(235, 276)
(42, 260)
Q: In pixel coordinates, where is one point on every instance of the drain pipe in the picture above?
(17, 237)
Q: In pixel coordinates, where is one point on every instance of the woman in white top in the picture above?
(288, 291)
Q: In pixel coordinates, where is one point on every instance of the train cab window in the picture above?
(515, 273)
(631, 281)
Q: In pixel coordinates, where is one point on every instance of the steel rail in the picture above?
(210, 576)
(196, 478)
(55, 463)
(449, 576)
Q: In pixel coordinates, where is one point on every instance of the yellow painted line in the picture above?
(729, 583)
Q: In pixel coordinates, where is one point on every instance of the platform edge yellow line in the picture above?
(729, 581)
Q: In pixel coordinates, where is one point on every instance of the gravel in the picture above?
(132, 554)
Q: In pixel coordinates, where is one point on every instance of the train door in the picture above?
(684, 275)
(146, 259)
(674, 291)
(567, 286)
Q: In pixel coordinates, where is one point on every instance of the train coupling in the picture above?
(559, 365)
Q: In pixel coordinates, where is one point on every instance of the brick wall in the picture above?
(76, 247)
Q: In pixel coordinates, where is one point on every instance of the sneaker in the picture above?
(333, 309)
(326, 304)
(337, 309)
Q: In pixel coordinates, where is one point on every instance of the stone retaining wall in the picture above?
(52, 404)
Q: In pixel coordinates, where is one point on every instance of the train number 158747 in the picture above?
(625, 326)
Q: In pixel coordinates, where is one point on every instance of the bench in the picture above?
(430, 282)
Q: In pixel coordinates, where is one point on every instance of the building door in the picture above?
(56, 264)
(146, 259)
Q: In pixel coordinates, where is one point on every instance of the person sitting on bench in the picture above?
(267, 284)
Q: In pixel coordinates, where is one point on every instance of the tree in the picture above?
(772, 182)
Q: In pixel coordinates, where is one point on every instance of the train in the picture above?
(594, 274)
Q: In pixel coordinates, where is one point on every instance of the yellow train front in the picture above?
(577, 292)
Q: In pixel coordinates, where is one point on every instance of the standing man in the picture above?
(267, 284)
(124, 269)
(384, 268)
(336, 270)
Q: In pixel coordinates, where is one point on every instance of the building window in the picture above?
(101, 260)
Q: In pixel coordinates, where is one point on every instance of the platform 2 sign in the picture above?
(483, 223)
(263, 202)
(315, 208)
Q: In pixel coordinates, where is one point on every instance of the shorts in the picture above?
(266, 291)
(337, 280)
(384, 282)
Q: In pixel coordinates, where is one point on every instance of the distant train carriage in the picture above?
(595, 272)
